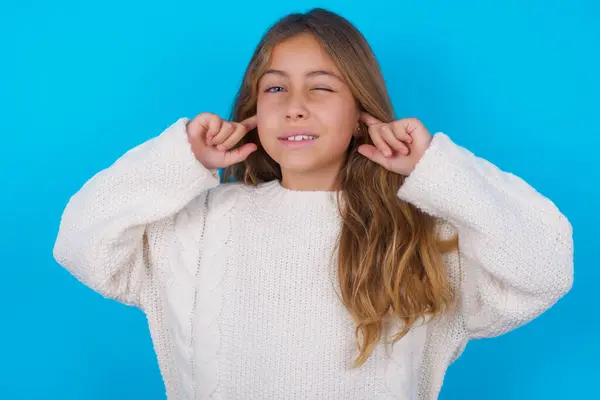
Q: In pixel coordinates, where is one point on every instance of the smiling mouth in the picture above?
(298, 138)
(298, 141)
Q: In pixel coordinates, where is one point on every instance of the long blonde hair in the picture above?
(389, 259)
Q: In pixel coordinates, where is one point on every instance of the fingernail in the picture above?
(220, 147)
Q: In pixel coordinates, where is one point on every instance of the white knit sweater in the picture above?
(239, 285)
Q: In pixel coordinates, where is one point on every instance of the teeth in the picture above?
(301, 138)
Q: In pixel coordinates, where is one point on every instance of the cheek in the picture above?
(267, 127)
(340, 116)
(266, 109)
(266, 116)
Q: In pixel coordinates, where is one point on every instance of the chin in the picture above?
(298, 166)
(305, 161)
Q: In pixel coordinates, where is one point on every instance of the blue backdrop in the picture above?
(514, 81)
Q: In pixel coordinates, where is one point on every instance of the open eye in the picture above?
(274, 89)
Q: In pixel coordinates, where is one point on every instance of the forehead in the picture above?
(299, 54)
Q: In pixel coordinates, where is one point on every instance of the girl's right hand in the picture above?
(211, 138)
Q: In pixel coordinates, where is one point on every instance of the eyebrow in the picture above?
(317, 72)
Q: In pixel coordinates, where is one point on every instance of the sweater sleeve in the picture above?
(515, 247)
(102, 236)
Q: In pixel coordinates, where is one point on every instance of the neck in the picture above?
(310, 181)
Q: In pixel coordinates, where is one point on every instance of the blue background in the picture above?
(516, 82)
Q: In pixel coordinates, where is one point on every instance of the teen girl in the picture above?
(351, 255)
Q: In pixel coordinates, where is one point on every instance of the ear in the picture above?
(357, 130)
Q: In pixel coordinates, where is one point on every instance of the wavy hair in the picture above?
(389, 254)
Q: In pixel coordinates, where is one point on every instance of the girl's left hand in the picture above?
(399, 145)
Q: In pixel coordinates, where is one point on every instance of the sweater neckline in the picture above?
(304, 199)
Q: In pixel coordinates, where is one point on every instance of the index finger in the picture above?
(205, 123)
(250, 123)
(369, 119)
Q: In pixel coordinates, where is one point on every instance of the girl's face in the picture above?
(302, 94)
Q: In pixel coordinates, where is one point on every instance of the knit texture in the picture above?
(239, 284)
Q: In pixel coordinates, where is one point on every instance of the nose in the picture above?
(296, 108)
